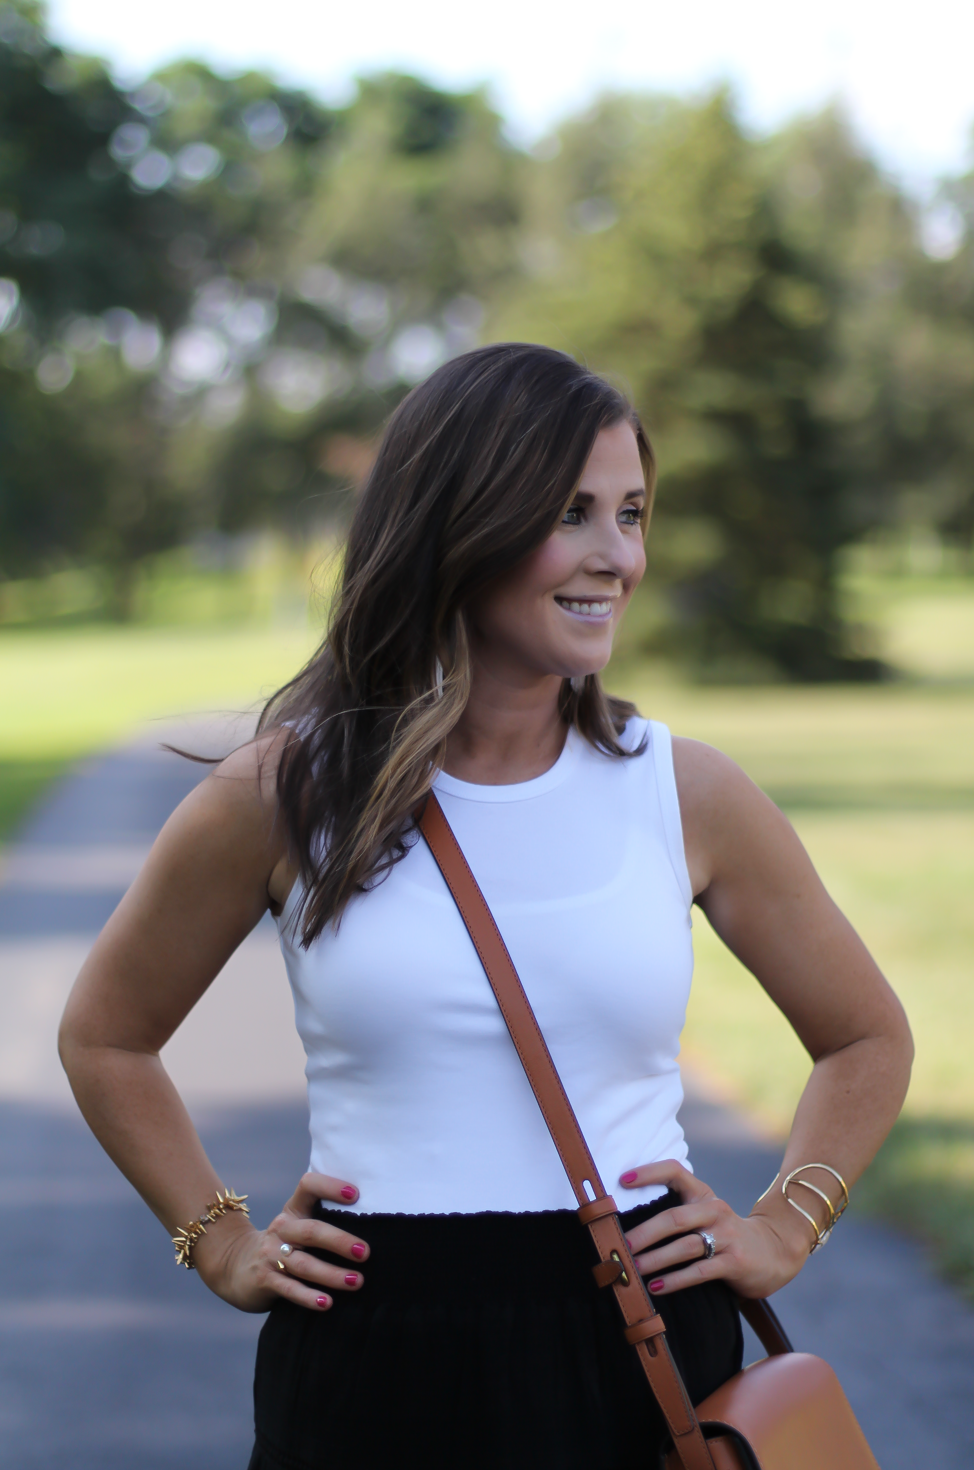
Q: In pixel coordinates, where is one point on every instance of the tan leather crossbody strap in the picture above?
(642, 1323)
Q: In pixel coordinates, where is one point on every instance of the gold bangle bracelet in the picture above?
(184, 1240)
(821, 1234)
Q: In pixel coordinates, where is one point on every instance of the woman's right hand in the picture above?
(242, 1264)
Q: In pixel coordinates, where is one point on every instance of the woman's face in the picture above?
(556, 612)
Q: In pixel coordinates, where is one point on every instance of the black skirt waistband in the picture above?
(441, 1258)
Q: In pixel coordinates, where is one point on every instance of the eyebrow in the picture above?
(585, 497)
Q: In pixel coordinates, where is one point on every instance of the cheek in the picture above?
(511, 604)
(549, 567)
(536, 578)
(639, 569)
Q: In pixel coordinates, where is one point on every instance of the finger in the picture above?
(313, 1187)
(298, 1230)
(702, 1214)
(678, 1252)
(308, 1268)
(667, 1172)
(295, 1291)
(275, 1262)
(693, 1275)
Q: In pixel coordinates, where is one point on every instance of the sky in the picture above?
(905, 75)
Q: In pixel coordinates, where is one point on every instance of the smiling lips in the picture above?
(598, 610)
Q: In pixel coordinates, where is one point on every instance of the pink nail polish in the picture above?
(352, 1279)
(629, 1177)
(358, 1251)
(348, 1191)
(323, 1301)
(657, 1285)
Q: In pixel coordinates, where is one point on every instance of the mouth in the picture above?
(592, 610)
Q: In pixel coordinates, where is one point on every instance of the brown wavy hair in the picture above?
(476, 468)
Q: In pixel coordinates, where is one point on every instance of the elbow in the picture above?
(68, 1047)
(73, 1038)
(88, 1047)
(904, 1036)
(902, 1049)
(909, 1050)
(909, 1047)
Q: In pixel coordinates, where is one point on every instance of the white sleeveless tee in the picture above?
(416, 1093)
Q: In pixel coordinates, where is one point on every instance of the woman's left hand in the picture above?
(756, 1256)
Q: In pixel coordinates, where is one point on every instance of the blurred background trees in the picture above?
(213, 290)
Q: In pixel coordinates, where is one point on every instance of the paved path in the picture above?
(110, 1359)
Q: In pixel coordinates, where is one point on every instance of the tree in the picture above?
(112, 227)
(656, 251)
(236, 275)
(409, 220)
(899, 380)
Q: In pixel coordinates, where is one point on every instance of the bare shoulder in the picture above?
(246, 779)
(702, 770)
(726, 818)
(242, 788)
(709, 783)
(229, 823)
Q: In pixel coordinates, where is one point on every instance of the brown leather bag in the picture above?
(786, 1412)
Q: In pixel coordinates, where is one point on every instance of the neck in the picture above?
(510, 730)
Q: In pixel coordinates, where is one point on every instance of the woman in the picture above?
(428, 1284)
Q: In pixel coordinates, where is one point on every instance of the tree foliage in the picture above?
(213, 290)
(761, 301)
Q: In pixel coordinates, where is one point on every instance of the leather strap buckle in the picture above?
(648, 1327)
(597, 1209)
(607, 1273)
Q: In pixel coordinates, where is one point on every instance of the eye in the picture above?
(572, 516)
(633, 515)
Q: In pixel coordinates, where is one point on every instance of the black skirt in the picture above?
(478, 1342)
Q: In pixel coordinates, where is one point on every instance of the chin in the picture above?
(580, 663)
(589, 667)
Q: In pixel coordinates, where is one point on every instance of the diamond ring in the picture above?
(709, 1244)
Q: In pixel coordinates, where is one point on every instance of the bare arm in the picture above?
(216, 867)
(757, 886)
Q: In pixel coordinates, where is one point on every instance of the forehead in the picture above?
(614, 462)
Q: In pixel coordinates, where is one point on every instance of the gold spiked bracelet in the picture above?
(184, 1240)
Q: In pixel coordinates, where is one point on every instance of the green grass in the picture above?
(922, 625)
(256, 579)
(212, 630)
(72, 691)
(203, 637)
(22, 783)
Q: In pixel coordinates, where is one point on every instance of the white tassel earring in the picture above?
(438, 673)
(577, 682)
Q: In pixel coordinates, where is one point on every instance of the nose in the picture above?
(615, 554)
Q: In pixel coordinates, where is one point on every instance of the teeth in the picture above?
(590, 609)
